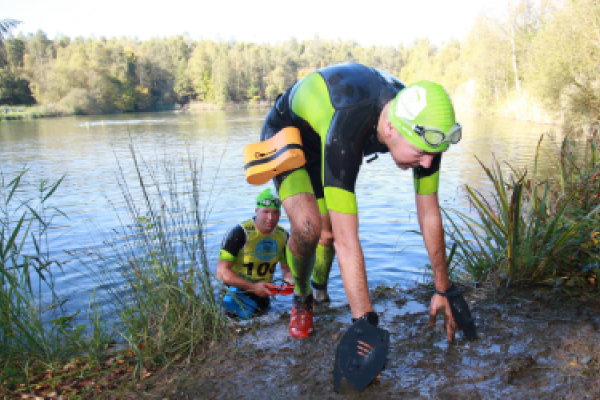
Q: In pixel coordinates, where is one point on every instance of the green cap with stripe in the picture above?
(426, 104)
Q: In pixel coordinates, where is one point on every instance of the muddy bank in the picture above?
(532, 344)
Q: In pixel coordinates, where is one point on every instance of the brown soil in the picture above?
(532, 343)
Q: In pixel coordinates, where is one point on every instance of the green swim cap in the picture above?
(267, 200)
(426, 104)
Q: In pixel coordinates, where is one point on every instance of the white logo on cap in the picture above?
(411, 102)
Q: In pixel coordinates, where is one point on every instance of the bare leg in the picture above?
(303, 212)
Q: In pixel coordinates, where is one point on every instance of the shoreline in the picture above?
(15, 113)
(199, 108)
(507, 360)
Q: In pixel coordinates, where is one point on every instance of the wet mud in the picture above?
(531, 343)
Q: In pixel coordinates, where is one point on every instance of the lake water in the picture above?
(86, 149)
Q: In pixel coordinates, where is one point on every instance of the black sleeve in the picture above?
(234, 241)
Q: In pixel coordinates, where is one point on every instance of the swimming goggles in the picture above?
(269, 203)
(434, 136)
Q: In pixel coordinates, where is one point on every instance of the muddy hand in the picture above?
(439, 305)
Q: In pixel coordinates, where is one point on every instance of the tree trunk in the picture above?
(514, 58)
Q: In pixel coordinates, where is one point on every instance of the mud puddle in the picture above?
(532, 344)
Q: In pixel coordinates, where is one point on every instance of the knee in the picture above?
(306, 233)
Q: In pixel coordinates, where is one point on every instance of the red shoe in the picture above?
(301, 321)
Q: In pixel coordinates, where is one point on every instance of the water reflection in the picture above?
(91, 150)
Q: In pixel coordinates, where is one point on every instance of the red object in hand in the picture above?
(280, 289)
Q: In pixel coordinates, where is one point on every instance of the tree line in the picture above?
(546, 52)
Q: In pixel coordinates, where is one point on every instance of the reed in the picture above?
(155, 298)
(157, 280)
(33, 322)
(531, 230)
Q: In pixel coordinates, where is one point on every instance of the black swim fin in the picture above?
(360, 357)
(460, 311)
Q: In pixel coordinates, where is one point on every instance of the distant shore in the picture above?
(32, 112)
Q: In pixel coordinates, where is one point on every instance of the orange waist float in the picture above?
(267, 159)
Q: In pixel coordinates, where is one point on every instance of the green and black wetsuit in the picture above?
(337, 109)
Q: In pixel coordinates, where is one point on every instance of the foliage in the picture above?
(77, 101)
(541, 55)
(159, 287)
(159, 305)
(534, 230)
(564, 59)
(486, 58)
(128, 75)
(34, 324)
(6, 25)
(14, 90)
(80, 377)
(8, 112)
(420, 61)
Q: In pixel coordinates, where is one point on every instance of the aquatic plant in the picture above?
(34, 324)
(154, 268)
(532, 230)
(155, 298)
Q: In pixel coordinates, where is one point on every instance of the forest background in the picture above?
(541, 63)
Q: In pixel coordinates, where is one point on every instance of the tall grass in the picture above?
(531, 230)
(155, 291)
(33, 323)
(156, 275)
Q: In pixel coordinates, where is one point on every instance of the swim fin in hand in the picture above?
(460, 311)
(360, 356)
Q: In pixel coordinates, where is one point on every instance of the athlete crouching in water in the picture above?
(344, 113)
(249, 254)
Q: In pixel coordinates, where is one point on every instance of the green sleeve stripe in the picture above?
(296, 182)
(311, 102)
(322, 206)
(428, 184)
(226, 256)
(341, 200)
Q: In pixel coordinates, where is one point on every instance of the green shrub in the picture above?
(530, 230)
(78, 101)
